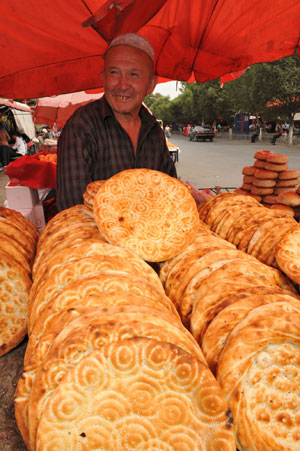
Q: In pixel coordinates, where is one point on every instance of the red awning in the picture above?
(46, 51)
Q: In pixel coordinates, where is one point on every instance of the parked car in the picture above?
(200, 133)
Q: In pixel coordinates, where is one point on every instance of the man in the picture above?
(5, 150)
(116, 132)
(277, 134)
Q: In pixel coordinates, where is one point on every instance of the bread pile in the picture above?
(90, 192)
(18, 246)
(230, 301)
(271, 182)
(109, 364)
(246, 223)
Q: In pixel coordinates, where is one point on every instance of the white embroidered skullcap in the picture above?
(133, 40)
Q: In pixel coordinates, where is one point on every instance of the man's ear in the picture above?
(152, 84)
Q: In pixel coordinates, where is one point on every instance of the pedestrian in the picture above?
(18, 145)
(255, 133)
(277, 134)
(167, 131)
(5, 150)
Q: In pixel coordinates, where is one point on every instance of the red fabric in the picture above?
(46, 51)
(30, 171)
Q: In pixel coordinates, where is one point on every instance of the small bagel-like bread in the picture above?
(289, 198)
(284, 208)
(288, 175)
(292, 182)
(248, 178)
(259, 164)
(261, 191)
(262, 154)
(247, 186)
(248, 170)
(263, 174)
(275, 167)
(277, 158)
(270, 199)
(284, 189)
(264, 183)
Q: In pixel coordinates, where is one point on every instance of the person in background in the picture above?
(5, 150)
(19, 146)
(167, 131)
(277, 134)
(255, 132)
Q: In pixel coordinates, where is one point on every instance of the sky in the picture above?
(168, 89)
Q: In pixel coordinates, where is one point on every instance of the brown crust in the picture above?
(263, 174)
(248, 170)
(284, 189)
(264, 183)
(277, 158)
(275, 167)
(262, 154)
(288, 175)
(261, 191)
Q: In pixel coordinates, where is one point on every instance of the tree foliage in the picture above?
(269, 90)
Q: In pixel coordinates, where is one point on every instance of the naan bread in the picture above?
(133, 394)
(14, 294)
(148, 212)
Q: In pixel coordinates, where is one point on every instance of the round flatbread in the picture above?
(148, 212)
(287, 253)
(160, 397)
(14, 288)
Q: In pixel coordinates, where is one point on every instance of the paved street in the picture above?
(220, 163)
(208, 164)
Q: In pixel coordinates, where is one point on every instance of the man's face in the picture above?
(128, 78)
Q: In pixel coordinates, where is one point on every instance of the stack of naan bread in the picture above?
(271, 182)
(246, 223)
(18, 245)
(233, 305)
(109, 364)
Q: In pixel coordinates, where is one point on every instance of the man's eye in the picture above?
(134, 74)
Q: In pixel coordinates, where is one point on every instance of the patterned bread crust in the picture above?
(63, 310)
(91, 330)
(93, 187)
(235, 309)
(287, 253)
(27, 248)
(62, 239)
(158, 395)
(203, 243)
(14, 293)
(214, 295)
(11, 247)
(83, 318)
(259, 372)
(206, 305)
(72, 216)
(148, 212)
(107, 281)
(93, 248)
(20, 221)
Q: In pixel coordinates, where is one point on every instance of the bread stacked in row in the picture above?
(269, 179)
(231, 301)
(247, 224)
(90, 192)
(18, 246)
(109, 364)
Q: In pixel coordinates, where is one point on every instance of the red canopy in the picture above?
(45, 50)
(58, 109)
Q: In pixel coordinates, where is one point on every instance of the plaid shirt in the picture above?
(94, 146)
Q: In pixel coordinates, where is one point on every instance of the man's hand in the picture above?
(199, 196)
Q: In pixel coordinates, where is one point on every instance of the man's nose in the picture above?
(123, 82)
